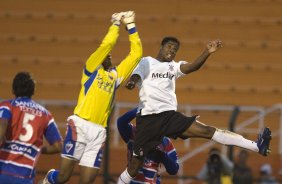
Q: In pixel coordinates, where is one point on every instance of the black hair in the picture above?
(214, 153)
(170, 38)
(23, 85)
(214, 149)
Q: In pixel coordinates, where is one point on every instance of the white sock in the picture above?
(230, 138)
(124, 178)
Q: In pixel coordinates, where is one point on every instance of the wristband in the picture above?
(130, 25)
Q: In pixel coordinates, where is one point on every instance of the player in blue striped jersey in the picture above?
(23, 124)
(164, 153)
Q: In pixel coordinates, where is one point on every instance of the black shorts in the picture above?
(150, 129)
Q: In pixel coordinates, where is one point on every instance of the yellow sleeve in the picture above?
(226, 179)
(125, 68)
(97, 58)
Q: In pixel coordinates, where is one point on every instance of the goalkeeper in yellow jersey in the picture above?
(86, 133)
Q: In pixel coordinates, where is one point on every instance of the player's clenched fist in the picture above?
(214, 45)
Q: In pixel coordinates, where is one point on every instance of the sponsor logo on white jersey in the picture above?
(163, 75)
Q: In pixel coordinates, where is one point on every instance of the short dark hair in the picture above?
(23, 85)
(168, 39)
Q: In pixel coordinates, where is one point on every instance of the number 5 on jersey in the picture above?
(26, 136)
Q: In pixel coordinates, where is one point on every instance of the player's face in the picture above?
(107, 63)
(169, 50)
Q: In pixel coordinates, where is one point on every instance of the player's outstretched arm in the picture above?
(108, 42)
(170, 159)
(124, 124)
(125, 68)
(211, 47)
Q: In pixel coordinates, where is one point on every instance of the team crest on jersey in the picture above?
(69, 146)
(141, 152)
(171, 67)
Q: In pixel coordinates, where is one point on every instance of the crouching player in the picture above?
(165, 153)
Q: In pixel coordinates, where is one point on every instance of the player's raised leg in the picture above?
(199, 129)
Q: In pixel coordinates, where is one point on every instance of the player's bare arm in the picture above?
(127, 65)
(52, 149)
(211, 47)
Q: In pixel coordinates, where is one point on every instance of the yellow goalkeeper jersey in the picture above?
(98, 86)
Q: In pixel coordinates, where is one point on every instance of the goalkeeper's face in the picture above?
(107, 63)
(168, 51)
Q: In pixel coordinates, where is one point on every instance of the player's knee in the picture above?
(208, 131)
(198, 129)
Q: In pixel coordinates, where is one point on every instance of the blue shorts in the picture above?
(8, 179)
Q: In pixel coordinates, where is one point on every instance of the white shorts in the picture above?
(84, 142)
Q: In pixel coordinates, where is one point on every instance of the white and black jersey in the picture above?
(157, 85)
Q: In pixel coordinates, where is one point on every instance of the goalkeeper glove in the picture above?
(116, 18)
(129, 19)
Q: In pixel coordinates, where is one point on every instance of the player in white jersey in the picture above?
(158, 104)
